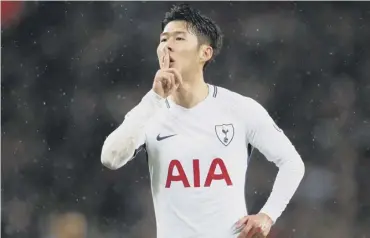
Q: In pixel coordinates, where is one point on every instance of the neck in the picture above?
(192, 91)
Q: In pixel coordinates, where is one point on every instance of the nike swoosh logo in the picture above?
(159, 137)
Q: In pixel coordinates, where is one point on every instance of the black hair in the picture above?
(204, 28)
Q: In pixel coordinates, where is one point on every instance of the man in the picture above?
(198, 138)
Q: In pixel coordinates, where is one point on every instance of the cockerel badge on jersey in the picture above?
(225, 133)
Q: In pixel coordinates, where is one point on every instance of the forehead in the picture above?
(176, 27)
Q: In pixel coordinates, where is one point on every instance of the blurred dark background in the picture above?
(70, 71)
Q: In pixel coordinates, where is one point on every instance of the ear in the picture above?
(206, 53)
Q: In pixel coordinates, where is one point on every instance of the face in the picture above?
(186, 54)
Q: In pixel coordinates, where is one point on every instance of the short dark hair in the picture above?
(205, 28)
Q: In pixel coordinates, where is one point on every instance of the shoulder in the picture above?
(235, 100)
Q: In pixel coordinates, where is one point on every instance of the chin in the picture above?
(176, 67)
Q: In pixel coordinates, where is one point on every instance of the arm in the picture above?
(123, 143)
(271, 141)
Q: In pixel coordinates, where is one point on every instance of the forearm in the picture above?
(120, 146)
(286, 183)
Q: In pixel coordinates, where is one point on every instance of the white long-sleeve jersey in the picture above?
(198, 158)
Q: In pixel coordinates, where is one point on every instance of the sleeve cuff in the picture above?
(154, 98)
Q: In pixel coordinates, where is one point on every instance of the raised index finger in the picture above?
(165, 64)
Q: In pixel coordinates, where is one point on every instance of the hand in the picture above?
(255, 226)
(167, 79)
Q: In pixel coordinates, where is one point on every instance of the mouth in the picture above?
(171, 60)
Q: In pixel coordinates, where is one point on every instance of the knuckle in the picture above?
(164, 76)
(158, 74)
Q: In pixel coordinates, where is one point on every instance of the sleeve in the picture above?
(123, 143)
(270, 140)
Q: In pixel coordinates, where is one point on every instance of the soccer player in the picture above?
(198, 138)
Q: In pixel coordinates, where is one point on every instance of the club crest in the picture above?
(225, 133)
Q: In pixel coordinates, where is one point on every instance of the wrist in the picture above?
(151, 103)
(267, 217)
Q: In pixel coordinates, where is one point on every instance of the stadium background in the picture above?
(71, 70)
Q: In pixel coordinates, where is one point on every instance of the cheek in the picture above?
(192, 55)
(189, 57)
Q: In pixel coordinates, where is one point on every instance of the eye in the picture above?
(163, 40)
(180, 38)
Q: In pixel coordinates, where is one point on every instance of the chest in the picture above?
(197, 150)
(205, 137)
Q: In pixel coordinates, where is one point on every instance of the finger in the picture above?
(167, 79)
(158, 84)
(249, 231)
(171, 82)
(252, 233)
(258, 235)
(177, 74)
(242, 221)
(244, 233)
(165, 64)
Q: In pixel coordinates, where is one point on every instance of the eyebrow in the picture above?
(172, 33)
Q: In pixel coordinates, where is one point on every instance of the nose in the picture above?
(169, 47)
(169, 44)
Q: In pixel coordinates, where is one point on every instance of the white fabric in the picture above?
(198, 172)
